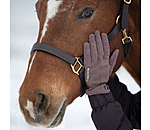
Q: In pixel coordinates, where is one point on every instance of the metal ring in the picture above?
(127, 2)
(117, 19)
(123, 39)
(73, 66)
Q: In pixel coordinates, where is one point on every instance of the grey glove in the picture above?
(98, 66)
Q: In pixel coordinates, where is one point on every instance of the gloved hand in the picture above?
(98, 66)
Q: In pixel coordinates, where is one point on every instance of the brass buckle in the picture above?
(125, 36)
(73, 66)
(127, 2)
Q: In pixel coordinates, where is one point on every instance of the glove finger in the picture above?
(99, 44)
(112, 60)
(87, 55)
(93, 48)
(105, 46)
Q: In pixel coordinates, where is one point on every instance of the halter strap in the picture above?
(54, 51)
(123, 17)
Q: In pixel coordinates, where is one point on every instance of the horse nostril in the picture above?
(42, 103)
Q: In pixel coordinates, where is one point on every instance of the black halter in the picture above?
(123, 17)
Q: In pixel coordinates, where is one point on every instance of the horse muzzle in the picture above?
(41, 113)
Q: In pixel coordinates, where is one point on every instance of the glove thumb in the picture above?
(112, 61)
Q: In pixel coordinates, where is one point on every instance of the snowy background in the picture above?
(23, 34)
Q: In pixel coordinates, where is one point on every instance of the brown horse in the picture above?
(50, 85)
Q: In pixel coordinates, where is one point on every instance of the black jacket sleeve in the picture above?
(107, 114)
(130, 103)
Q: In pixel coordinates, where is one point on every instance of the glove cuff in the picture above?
(101, 89)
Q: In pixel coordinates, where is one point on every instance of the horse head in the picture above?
(50, 85)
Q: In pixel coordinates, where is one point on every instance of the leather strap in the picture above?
(124, 21)
(82, 77)
(54, 51)
(124, 15)
(114, 32)
(127, 47)
(122, 25)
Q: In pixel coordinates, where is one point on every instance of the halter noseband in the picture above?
(122, 16)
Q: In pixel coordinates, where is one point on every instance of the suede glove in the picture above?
(98, 66)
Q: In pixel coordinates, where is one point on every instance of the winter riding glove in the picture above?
(98, 66)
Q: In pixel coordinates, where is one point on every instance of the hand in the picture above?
(98, 66)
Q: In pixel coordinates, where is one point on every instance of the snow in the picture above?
(24, 31)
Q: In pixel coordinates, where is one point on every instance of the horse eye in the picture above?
(86, 13)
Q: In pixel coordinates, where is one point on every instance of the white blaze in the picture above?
(32, 61)
(30, 108)
(52, 9)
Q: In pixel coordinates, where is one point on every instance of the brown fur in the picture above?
(52, 76)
